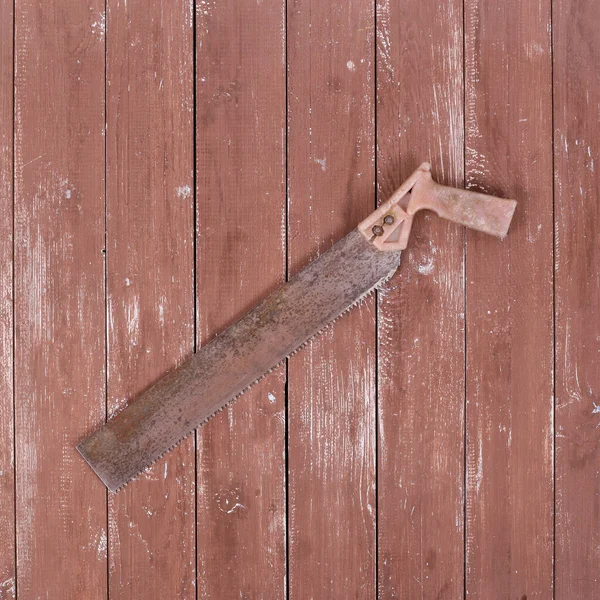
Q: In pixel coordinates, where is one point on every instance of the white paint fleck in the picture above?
(322, 162)
(127, 281)
(596, 409)
(271, 397)
(204, 8)
(351, 66)
(479, 474)
(8, 586)
(426, 268)
(67, 194)
(423, 266)
(32, 160)
(102, 544)
(133, 319)
(534, 49)
(184, 191)
(99, 26)
(533, 236)
(229, 501)
(161, 310)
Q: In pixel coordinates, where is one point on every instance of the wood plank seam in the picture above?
(286, 432)
(554, 242)
(195, 317)
(8, 498)
(376, 300)
(106, 316)
(465, 307)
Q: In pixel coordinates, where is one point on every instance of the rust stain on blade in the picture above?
(220, 371)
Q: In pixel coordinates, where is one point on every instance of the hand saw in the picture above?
(233, 361)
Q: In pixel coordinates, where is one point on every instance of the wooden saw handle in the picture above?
(389, 226)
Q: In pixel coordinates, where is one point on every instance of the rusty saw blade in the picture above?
(235, 359)
(223, 369)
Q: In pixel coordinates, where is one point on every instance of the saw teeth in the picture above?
(356, 303)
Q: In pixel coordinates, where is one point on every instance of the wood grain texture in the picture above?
(59, 296)
(331, 383)
(241, 220)
(509, 303)
(7, 464)
(577, 252)
(94, 253)
(150, 279)
(421, 311)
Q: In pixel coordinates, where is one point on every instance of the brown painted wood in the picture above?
(421, 311)
(150, 279)
(59, 296)
(7, 470)
(334, 73)
(509, 303)
(331, 385)
(577, 189)
(240, 137)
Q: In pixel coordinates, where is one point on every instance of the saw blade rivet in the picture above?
(377, 230)
(388, 219)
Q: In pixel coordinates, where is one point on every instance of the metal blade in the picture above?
(220, 371)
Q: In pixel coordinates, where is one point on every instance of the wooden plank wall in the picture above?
(150, 279)
(7, 464)
(421, 368)
(331, 382)
(59, 308)
(577, 264)
(241, 223)
(509, 303)
(164, 166)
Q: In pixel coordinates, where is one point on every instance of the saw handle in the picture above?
(388, 228)
(474, 210)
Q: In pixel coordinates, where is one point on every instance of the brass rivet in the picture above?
(377, 230)
(388, 219)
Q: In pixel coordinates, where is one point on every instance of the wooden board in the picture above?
(421, 311)
(331, 384)
(577, 215)
(150, 280)
(509, 326)
(144, 159)
(59, 296)
(7, 463)
(241, 223)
